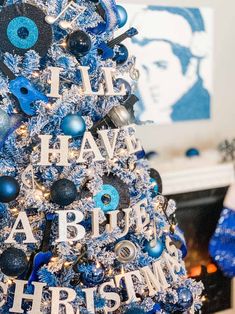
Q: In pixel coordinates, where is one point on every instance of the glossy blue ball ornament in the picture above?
(185, 299)
(122, 16)
(9, 189)
(121, 55)
(154, 248)
(192, 152)
(73, 125)
(93, 274)
(78, 43)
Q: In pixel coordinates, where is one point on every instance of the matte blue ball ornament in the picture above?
(73, 125)
(154, 248)
(93, 274)
(122, 16)
(13, 262)
(9, 189)
(63, 192)
(185, 299)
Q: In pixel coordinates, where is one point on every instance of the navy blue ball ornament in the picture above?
(63, 192)
(185, 299)
(154, 248)
(93, 274)
(9, 189)
(122, 16)
(73, 125)
(78, 44)
(13, 262)
(121, 55)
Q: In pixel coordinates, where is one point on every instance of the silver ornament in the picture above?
(119, 116)
(125, 251)
(4, 122)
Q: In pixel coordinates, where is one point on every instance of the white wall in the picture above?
(175, 139)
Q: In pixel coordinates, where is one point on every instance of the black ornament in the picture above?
(13, 262)
(78, 44)
(9, 189)
(63, 192)
(22, 28)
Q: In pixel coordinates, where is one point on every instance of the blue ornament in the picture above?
(4, 122)
(13, 262)
(22, 32)
(119, 82)
(63, 192)
(154, 248)
(192, 152)
(78, 43)
(135, 310)
(122, 16)
(185, 299)
(155, 188)
(93, 274)
(9, 189)
(121, 55)
(107, 199)
(73, 125)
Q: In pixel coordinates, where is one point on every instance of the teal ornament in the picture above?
(154, 248)
(9, 189)
(107, 199)
(73, 125)
(22, 32)
(122, 16)
(185, 299)
(4, 122)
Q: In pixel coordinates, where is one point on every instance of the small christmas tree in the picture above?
(84, 226)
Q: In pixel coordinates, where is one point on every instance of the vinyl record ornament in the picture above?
(22, 28)
(63, 192)
(13, 262)
(114, 194)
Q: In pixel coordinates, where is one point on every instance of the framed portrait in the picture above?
(174, 53)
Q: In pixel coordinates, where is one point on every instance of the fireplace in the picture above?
(197, 215)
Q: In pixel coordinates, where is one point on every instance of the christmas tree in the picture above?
(84, 226)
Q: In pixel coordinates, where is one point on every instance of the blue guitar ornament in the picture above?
(106, 50)
(44, 255)
(23, 90)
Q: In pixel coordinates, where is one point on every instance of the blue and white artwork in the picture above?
(174, 55)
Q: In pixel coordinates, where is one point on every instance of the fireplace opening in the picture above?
(197, 215)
